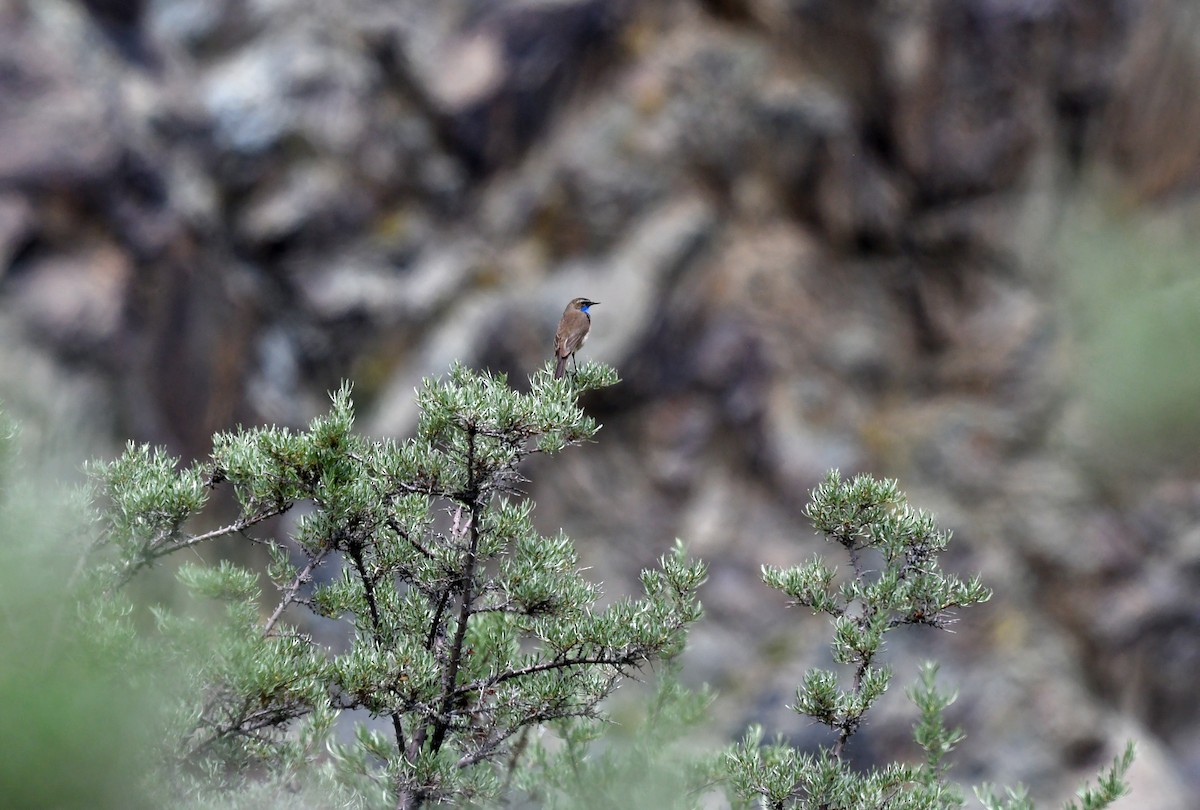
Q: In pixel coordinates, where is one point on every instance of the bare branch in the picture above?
(162, 546)
(289, 595)
(621, 662)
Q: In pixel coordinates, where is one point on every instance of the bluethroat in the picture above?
(572, 332)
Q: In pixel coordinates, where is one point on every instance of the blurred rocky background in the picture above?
(948, 241)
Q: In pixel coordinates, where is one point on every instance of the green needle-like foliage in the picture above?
(894, 580)
(468, 629)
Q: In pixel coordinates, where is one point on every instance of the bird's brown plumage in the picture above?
(572, 332)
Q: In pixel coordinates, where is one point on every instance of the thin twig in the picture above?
(165, 547)
(289, 595)
(631, 659)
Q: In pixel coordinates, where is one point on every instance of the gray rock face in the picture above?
(822, 235)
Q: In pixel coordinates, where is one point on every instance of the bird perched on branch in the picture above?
(572, 332)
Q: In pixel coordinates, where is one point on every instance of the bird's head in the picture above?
(582, 304)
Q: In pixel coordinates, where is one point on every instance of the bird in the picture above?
(572, 332)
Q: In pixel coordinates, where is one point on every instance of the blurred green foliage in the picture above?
(75, 729)
(1132, 293)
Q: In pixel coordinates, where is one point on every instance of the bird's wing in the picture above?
(572, 329)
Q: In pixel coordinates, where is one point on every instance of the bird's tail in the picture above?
(560, 367)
